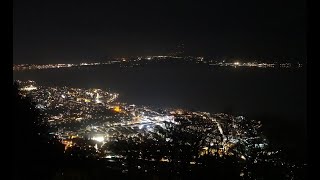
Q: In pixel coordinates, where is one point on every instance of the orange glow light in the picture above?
(117, 109)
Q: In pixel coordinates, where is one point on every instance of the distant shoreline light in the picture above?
(127, 62)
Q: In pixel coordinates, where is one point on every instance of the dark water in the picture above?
(277, 97)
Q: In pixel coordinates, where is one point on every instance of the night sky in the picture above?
(72, 30)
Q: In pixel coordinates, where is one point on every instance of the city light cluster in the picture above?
(95, 114)
(95, 122)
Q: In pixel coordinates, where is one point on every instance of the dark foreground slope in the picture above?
(34, 155)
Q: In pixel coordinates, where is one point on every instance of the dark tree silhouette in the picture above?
(35, 154)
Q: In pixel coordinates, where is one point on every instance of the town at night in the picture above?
(159, 90)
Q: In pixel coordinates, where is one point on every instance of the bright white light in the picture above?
(30, 88)
(40, 106)
(99, 138)
(149, 128)
(164, 160)
(236, 63)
